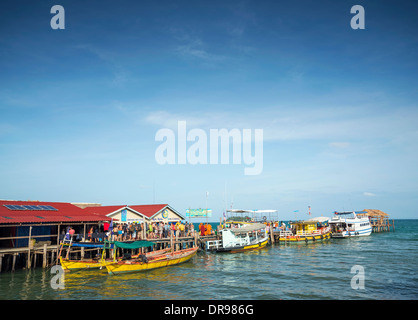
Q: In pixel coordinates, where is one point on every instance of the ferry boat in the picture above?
(350, 224)
(240, 236)
(315, 229)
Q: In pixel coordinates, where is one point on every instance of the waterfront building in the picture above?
(32, 228)
(138, 213)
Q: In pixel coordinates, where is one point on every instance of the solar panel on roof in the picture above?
(18, 207)
(45, 207)
(51, 208)
(27, 207)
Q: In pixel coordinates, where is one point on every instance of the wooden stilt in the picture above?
(14, 261)
(44, 261)
(28, 261)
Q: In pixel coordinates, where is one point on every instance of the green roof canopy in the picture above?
(133, 245)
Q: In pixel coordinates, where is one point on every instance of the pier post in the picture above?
(44, 262)
(14, 261)
(28, 261)
(195, 239)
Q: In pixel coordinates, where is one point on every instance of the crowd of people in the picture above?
(133, 231)
(157, 230)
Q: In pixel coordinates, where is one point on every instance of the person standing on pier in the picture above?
(202, 229)
(166, 229)
(160, 229)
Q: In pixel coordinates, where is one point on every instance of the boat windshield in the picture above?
(349, 214)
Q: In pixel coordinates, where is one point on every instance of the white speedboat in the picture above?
(350, 224)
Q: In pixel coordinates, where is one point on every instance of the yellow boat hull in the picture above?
(164, 260)
(69, 265)
(299, 239)
(252, 247)
(80, 264)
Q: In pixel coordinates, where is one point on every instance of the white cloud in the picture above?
(368, 194)
(339, 145)
(191, 46)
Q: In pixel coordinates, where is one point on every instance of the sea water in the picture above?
(320, 270)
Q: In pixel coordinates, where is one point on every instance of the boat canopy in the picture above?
(303, 222)
(133, 245)
(319, 219)
(249, 228)
(250, 211)
(349, 212)
(85, 245)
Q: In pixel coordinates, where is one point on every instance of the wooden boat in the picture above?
(142, 263)
(240, 236)
(99, 262)
(315, 229)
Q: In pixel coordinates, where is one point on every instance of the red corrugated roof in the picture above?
(66, 212)
(105, 210)
(147, 210)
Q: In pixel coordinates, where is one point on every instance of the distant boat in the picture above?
(240, 236)
(315, 229)
(350, 224)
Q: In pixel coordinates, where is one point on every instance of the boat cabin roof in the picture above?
(303, 222)
(349, 212)
(248, 228)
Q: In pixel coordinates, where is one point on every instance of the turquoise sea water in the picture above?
(318, 270)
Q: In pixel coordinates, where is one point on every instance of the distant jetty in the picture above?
(380, 220)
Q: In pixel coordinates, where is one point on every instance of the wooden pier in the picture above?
(380, 220)
(45, 254)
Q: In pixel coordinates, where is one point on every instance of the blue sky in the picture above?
(80, 107)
